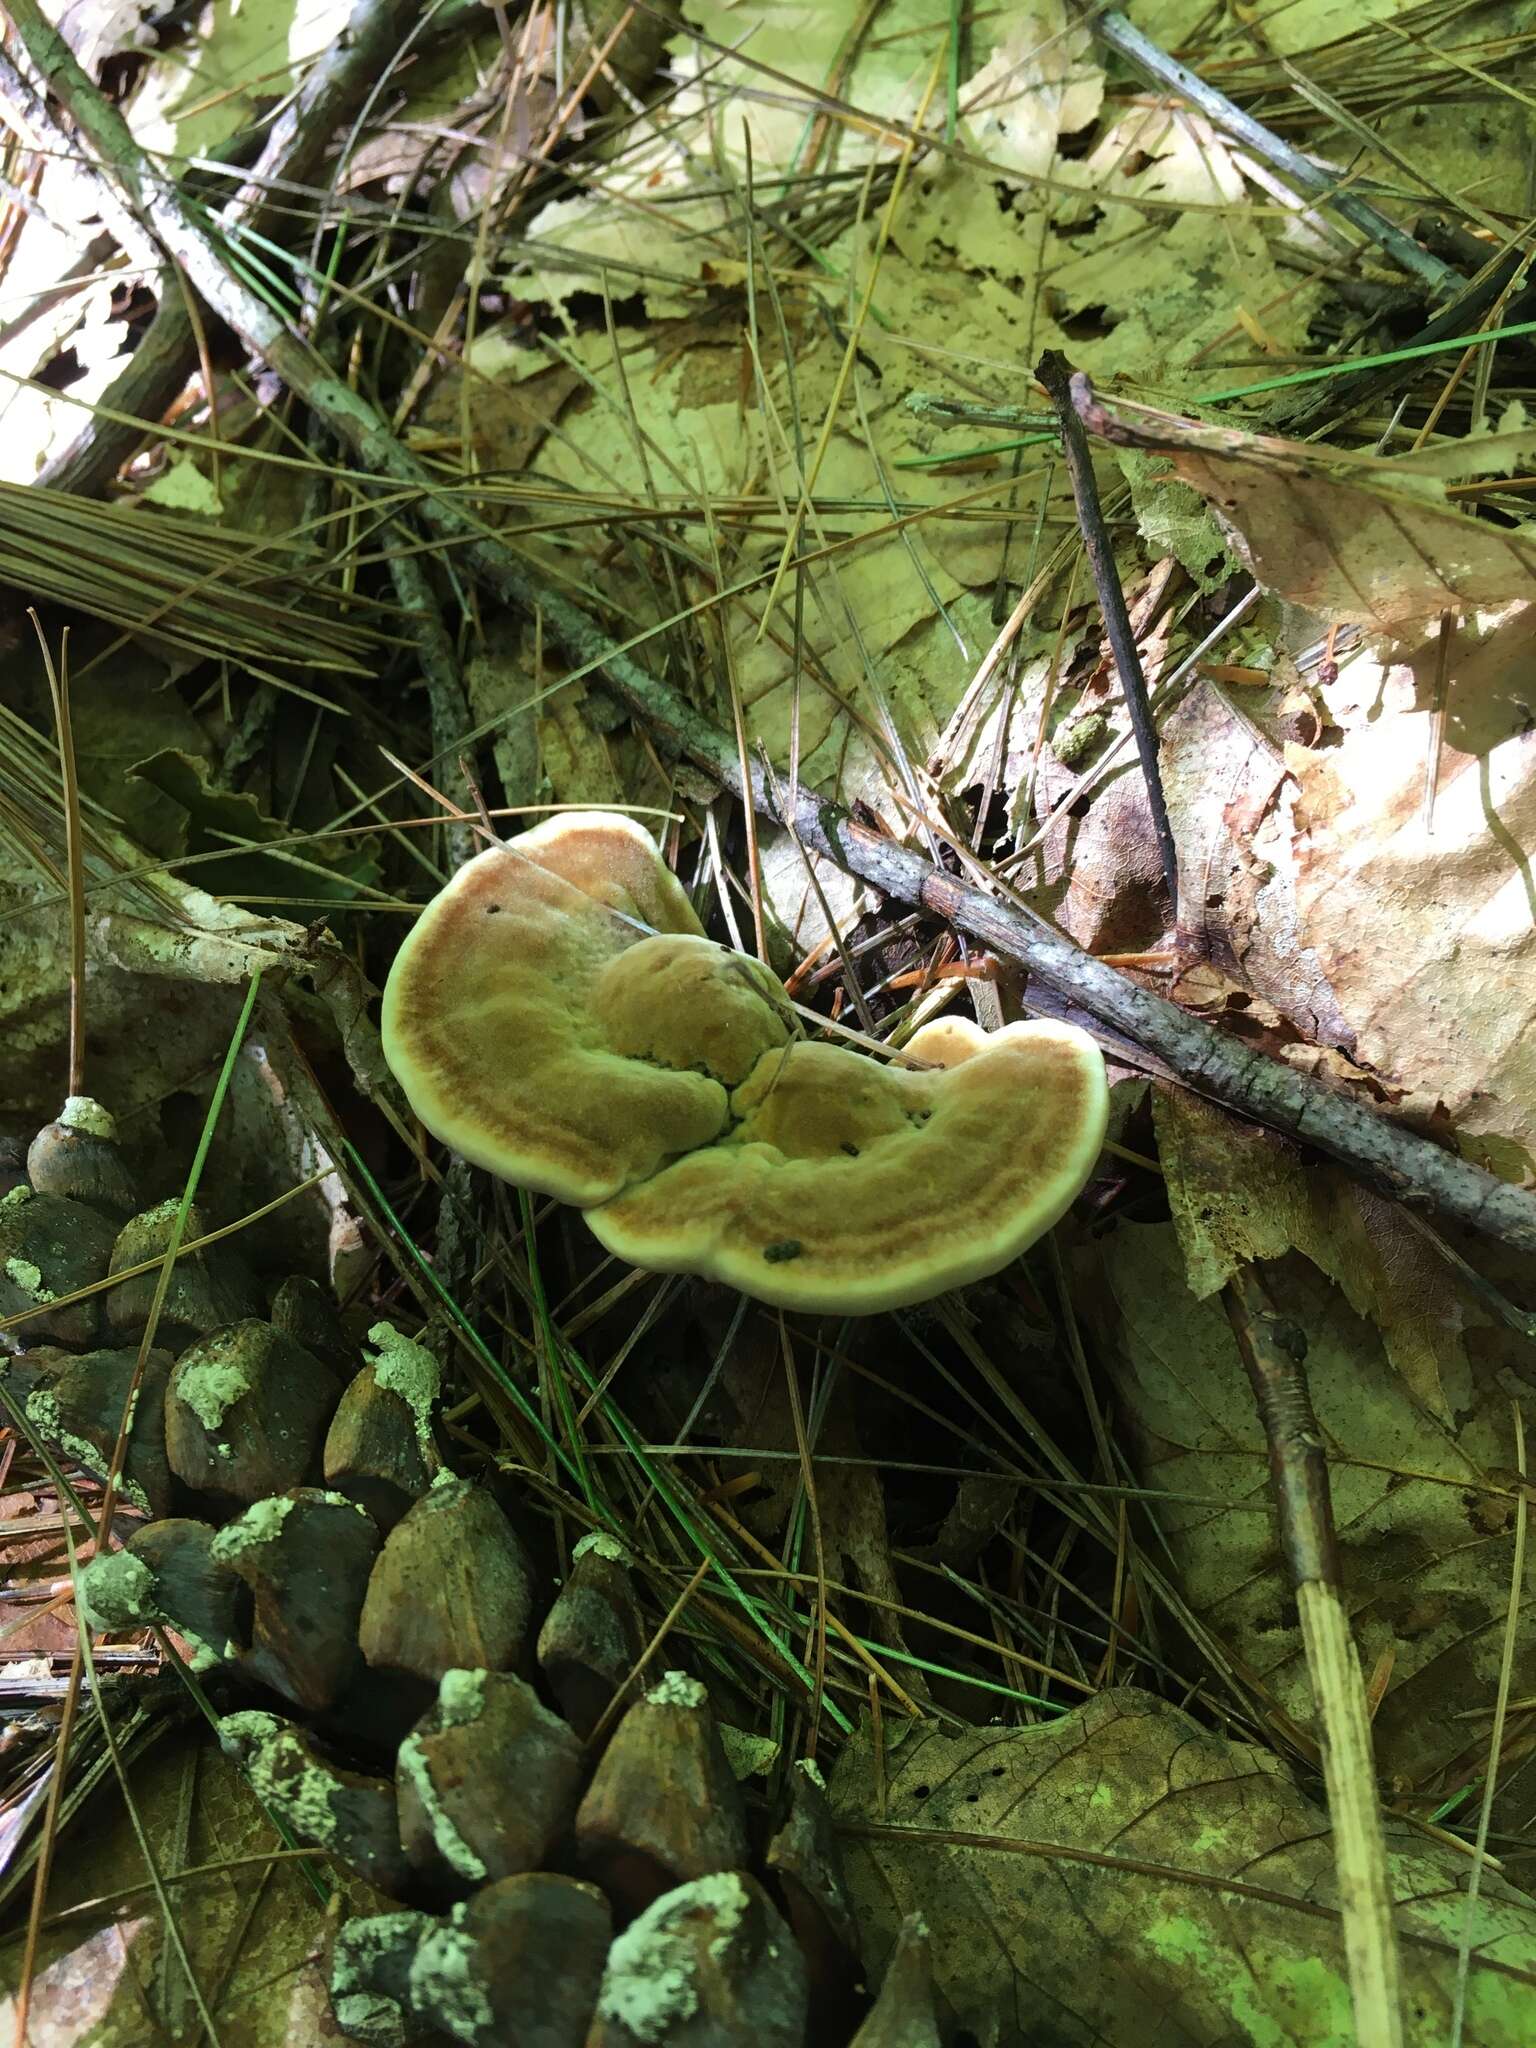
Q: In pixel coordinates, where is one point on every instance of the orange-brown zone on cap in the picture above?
(491, 1026)
(847, 1185)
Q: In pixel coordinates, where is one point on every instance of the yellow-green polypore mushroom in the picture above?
(557, 1015)
(848, 1185)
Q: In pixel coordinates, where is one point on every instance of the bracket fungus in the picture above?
(548, 1015)
(849, 1185)
(558, 1016)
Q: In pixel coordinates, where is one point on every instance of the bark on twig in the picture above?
(336, 86)
(440, 671)
(1226, 1070)
(1143, 55)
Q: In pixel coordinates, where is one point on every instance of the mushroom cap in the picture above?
(557, 1015)
(851, 1186)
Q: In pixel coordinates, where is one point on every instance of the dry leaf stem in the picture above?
(1054, 372)
(1274, 1350)
(1225, 1070)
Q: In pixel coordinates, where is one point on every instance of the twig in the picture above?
(1054, 373)
(440, 670)
(336, 85)
(1118, 34)
(1468, 1939)
(1273, 1351)
(1226, 1070)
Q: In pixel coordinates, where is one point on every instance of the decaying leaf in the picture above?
(1353, 537)
(1240, 1193)
(1424, 1513)
(1124, 1874)
(232, 825)
(252, 1935)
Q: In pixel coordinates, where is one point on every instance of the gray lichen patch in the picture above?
(460, 1697)
(285, 1777)
(725, 1896)
(403, 1367)
(600, 1544)
(369, 2016)
(370, 1949)
(366, 1941)
(649, 1984)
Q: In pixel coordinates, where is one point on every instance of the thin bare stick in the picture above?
(1055, 374)
(1117, 34)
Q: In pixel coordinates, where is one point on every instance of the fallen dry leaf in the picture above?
(1238, 1193)
(252, 1935)
(1427, 937)
(1355, 538)
(1124, 1876)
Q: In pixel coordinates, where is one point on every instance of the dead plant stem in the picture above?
(1274, 1351)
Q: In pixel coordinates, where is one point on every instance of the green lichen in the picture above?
(29, 1279)
(84, 1113)
(210, 1388)
(118, 1591)
(407, 1369)
(261, 1523)
(1073, 742)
